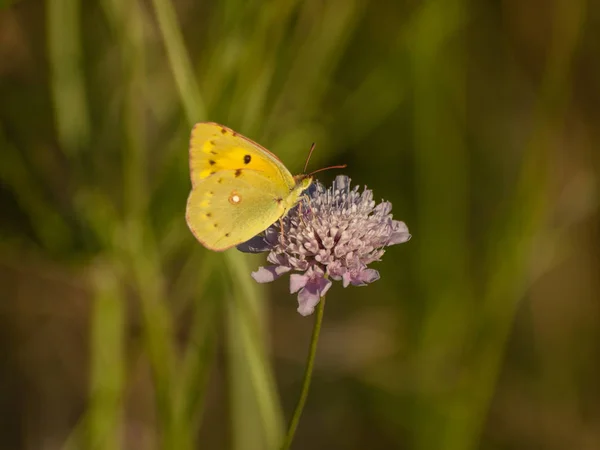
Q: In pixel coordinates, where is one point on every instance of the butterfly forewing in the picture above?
(215, 148)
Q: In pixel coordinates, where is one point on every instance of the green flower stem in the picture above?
(310, 363)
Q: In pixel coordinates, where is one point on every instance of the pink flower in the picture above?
(333, 236)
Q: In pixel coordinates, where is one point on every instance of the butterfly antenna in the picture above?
(342, 166)
(312, 147)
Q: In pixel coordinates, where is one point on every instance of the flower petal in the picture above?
(366, 276)
(341, 182)
(297, 282)
(324, 285)
(278, 259)
(298, 264)
(269, 273)
(383, 208)
(307, 302)
(346, 279)
(335, 270)
(315, 286)
(399, 234)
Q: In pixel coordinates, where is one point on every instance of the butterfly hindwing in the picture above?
(225, 210)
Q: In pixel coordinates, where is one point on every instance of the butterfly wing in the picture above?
(224, 210)
(238, 187)
(215, 148)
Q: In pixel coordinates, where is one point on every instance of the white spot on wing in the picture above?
(235, 198)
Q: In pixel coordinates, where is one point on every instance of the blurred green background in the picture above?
(478, 120)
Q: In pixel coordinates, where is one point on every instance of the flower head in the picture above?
(333, 234)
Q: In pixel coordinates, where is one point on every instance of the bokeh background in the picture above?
(478, 120)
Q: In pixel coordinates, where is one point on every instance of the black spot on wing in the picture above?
(247, 159)
(238, 172)
(211, 162)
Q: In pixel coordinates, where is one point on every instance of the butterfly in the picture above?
(239, 188)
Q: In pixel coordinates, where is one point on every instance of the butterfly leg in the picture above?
(282, 231)
(300, 211)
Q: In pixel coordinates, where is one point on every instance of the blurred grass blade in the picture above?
(508, 255)
(317, 55)
(460, 410)
(438, 57)
(136, 242)
(256, 415)
(107, 365)
(189, 92)
(158, 331)
(66, 71)
(48, 225)
(382, 104)
(199, 354)
(126, 19)
(256, 65)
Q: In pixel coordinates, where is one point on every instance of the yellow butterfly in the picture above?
(238, 187)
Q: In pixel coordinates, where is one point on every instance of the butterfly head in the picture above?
(303, 181)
